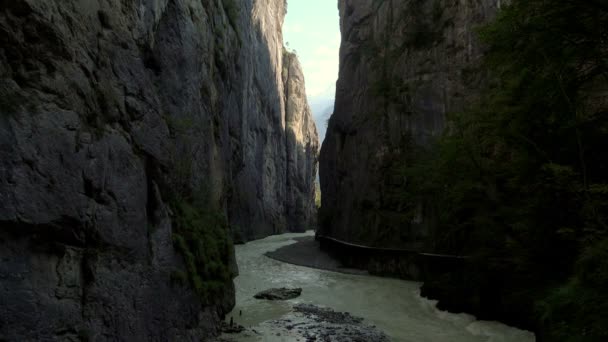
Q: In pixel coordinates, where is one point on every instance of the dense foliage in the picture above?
(520, 180)
(201, 237)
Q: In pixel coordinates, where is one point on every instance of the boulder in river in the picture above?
(282, 293)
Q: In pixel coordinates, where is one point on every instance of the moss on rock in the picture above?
(202, 237)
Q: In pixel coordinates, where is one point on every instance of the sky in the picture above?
(312, 29)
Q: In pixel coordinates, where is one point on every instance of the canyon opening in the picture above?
(303, 170)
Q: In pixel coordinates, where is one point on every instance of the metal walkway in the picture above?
(389, 250)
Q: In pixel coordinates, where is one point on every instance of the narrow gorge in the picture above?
(160, 168)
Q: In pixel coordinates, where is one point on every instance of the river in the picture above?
(393, 306)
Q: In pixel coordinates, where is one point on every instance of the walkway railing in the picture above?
(388, 250)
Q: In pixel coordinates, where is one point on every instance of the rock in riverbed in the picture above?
(326, 315)
(307, 322)
(314, 323)
(279, 294)
(232, 328)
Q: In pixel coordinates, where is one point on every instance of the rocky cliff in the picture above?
(403, 66)
(302, 148)
(135, 138)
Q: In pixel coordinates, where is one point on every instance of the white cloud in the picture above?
(320, 68)
(317, 43)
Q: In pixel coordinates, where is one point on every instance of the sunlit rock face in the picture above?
(403, 66)
(109, 110)
(302, 148)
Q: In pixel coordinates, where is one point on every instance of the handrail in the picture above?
(381, 249)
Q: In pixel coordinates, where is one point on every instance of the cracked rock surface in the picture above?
(404, 64)
(108, 108)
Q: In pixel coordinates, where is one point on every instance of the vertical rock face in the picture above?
(269, 192)
(109, 112)
(302, 148)
(403, 66)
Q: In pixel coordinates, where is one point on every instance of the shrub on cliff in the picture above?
(201, 236)
(577, 310)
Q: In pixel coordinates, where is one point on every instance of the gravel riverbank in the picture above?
(307, 252)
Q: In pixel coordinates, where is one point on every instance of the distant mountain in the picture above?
(322, 106)
(322, 119)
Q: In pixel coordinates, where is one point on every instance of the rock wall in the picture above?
(110, 111)
(269, 189)
(302, 148)
(403, 66)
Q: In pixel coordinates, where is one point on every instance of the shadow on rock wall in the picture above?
(110, 113)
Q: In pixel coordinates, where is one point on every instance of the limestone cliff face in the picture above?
(269, 190)
(110, 111)
(403, 66)
(302, 148)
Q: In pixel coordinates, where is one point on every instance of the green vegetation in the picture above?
(200, 228)
(201, 237)
(232, 11)
(520, 181)
(578, 310)
(317, 195)
(11, 104)
(179, 126)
